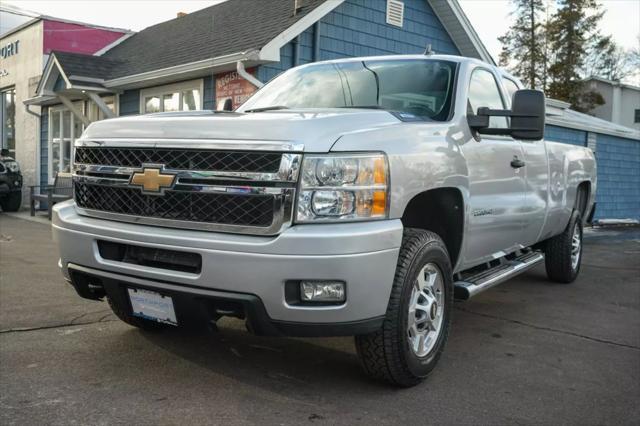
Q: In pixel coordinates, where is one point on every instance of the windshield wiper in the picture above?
(363, 106)
(267, 108)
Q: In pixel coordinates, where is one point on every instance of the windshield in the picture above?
(414, 86)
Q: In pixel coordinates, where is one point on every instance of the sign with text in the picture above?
(230, 86)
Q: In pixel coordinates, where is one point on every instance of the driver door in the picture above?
(496, 185)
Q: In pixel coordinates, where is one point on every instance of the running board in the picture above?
(473, 284)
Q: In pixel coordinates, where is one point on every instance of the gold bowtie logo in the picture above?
(152, 180)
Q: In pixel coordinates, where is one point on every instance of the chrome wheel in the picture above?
(576, 244)
(426, 310)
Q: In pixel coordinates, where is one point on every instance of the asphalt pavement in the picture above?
(526, 352)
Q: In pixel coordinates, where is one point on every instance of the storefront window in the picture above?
(190, 100)
(185, 96)
(151, 104)
(64, 128)
(8, 120)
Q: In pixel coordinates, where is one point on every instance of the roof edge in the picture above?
(21, 27)
(231, 58)
(271, 50)
(611, 82)
(114, 43)
(471, 34)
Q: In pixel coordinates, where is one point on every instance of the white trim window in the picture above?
(65, 128)
(184, 96)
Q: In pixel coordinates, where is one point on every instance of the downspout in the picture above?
(37, 173)
(35, 114)
(247, 76)
(316, 42)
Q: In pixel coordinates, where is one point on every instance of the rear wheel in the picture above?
(122, 312)
(11, 203)
(563, 253)
(407, 347)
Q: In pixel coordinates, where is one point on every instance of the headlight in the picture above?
(343, 187)
(12, 166)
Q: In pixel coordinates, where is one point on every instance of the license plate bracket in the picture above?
(152, 306)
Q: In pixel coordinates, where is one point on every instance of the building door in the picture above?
(496, 188)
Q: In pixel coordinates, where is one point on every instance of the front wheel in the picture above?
(413, 335)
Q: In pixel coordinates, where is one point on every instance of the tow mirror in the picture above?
(527, 117)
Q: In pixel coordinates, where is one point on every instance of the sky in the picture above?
(490, 18)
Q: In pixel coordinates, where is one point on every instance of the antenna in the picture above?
(428, 51)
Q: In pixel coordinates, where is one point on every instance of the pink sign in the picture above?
(76, 38)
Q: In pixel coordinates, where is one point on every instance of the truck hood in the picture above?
(316, 129)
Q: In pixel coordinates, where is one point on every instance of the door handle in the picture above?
(516, 163)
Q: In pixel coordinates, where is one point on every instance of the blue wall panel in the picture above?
(209, 84)
(44, 146)
(565, 135)
(130, 102)
(359, 28)
(618, 193)
(618, 159)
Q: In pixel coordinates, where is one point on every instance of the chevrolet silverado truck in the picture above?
(351, 197)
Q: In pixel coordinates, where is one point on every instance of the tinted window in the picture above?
(419, 87)
(484, 92)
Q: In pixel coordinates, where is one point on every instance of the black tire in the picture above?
(122, 312)
(11, 203)
(386, 354)
(559, 250)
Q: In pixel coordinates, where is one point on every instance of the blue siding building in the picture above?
(217, 64)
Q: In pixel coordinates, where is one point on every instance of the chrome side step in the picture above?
(470, 285)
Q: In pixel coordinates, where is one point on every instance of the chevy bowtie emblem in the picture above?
(152, 180)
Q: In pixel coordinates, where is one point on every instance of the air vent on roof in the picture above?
(395, 12)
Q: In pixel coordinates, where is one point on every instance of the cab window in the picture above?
(484, 92)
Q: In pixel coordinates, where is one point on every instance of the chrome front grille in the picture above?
(210, 186)
(181, 159)
(227, 209)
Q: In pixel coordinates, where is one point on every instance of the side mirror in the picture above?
(528, 107)
(527, 117)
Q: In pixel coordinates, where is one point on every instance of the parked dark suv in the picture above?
(10, 183)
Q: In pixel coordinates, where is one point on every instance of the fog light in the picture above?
(322, 291)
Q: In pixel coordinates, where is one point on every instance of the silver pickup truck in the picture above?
(349, 197)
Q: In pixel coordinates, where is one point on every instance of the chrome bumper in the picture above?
(363, 255)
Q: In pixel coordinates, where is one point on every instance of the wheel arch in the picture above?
(439, 210)
(583, 194)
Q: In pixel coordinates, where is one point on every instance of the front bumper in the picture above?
(251, 269)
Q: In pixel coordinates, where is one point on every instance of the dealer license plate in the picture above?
(152, 306)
